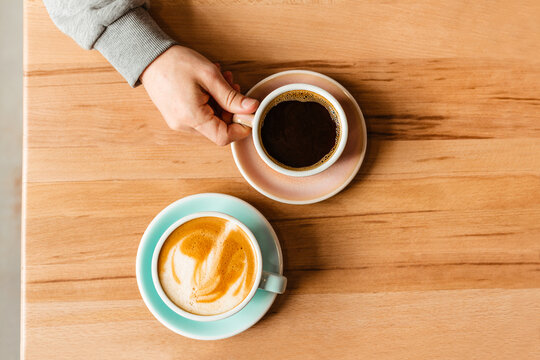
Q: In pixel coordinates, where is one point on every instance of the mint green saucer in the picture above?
(271, 254)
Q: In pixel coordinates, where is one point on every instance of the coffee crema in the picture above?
(300, 130)
(207, 266)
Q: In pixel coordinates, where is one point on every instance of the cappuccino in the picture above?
(207, 266)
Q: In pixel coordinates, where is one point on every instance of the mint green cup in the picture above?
(264, 280)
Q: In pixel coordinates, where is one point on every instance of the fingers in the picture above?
(226, 96)
(225, 115)
(229, 77)
(221, 133)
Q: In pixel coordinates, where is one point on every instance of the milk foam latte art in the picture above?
(207, 266)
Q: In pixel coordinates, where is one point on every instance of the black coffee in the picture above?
(299, 131)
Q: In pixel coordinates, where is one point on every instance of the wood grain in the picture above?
(433, 251)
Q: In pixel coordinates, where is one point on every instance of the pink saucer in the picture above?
(309, 189)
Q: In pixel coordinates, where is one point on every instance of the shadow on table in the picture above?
(301, 239)
(300, 246)
(377, 108)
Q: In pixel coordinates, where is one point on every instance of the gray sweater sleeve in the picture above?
(121, 30)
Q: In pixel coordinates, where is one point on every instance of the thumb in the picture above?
(228, 98)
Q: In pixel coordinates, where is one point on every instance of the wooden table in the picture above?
(432, 252)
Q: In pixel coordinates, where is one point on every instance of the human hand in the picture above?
(193, 94)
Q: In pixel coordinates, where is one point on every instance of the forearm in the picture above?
(122, 30)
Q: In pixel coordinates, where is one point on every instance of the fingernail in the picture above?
(249, 102)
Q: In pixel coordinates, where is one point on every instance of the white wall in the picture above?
(10, 174)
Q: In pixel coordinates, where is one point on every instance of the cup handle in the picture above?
(273, 282)
(243, 119)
